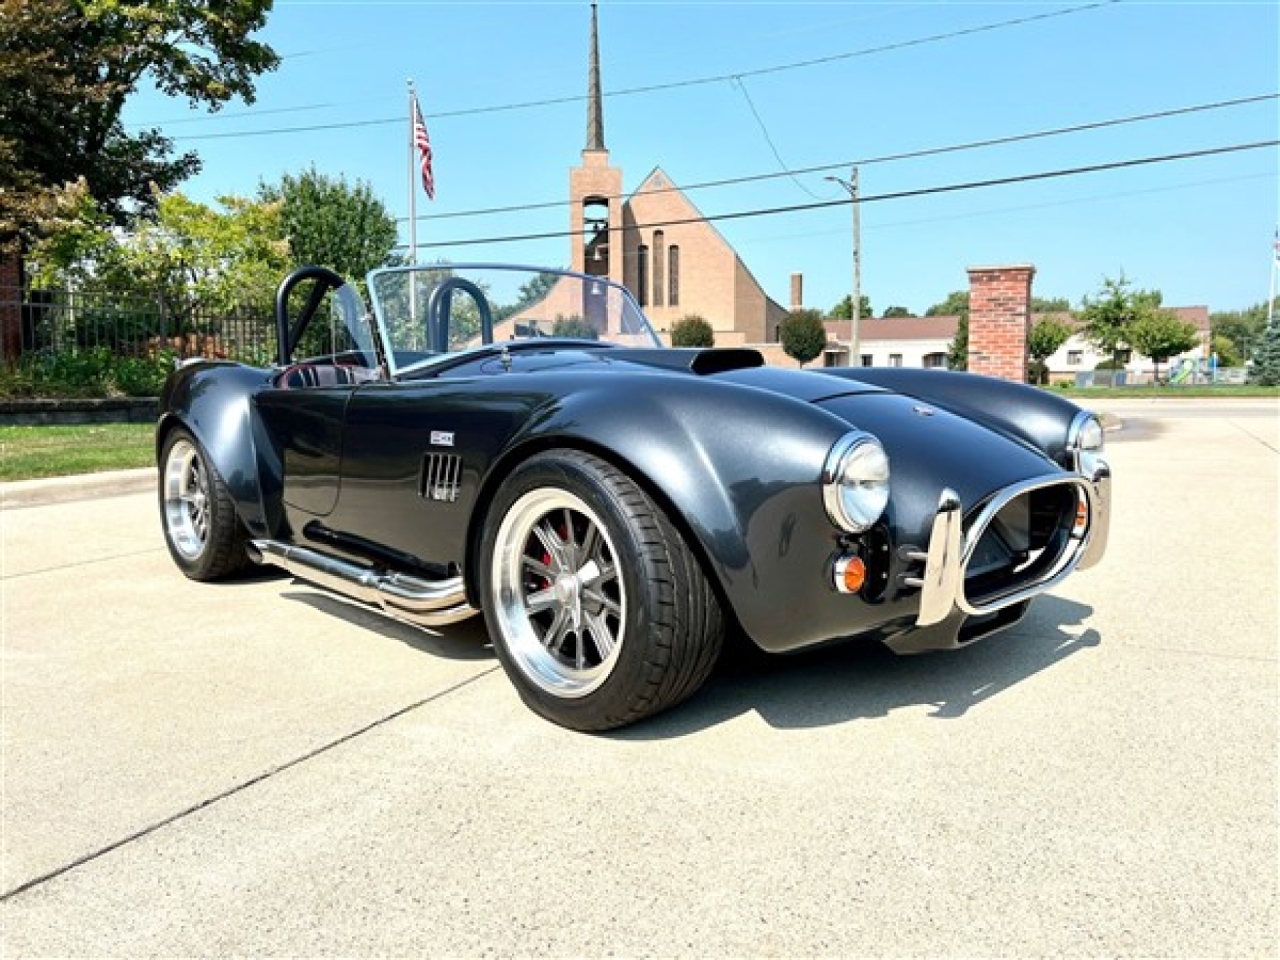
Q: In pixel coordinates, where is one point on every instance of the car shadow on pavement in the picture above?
(865, 681)
(459, 641)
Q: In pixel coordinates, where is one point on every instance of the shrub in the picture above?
(692, 330)
(575, 327)
(84, 374)
(803, 336)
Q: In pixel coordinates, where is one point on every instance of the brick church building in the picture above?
(657, 244)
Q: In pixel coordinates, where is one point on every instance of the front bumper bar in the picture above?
(942, 584)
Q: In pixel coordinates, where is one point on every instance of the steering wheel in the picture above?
(288, 334)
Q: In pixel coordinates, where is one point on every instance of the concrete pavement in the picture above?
(258, 768)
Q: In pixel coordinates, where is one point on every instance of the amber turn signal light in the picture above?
(850, 573)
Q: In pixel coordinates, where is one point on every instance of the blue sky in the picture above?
(1198, 230)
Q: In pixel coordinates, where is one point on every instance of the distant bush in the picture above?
(803, 336)
(574, 327)
(692, 330)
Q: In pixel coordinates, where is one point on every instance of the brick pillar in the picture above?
(999, 320)
(10, 308)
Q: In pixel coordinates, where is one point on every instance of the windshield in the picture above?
(426, 312)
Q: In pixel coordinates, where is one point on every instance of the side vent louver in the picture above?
(441, 477)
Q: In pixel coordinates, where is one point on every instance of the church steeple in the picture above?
(595, 110)
(595, 190)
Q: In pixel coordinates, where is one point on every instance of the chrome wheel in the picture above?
(559, 597)
(186, 500)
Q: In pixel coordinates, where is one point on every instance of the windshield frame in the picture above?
(500, 326)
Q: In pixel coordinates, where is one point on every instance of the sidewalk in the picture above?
(37, 493)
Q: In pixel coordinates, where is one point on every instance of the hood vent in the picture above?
(694, 360)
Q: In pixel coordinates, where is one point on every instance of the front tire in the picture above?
(201, 529)
(598, 611)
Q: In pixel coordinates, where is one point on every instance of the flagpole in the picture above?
(413, 168)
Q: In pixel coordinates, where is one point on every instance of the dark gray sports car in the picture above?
(518, 443)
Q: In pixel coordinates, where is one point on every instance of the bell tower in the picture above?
(595, 188)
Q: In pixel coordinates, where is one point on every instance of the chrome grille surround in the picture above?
(952, 546)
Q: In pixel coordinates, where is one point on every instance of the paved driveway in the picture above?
(259, 768)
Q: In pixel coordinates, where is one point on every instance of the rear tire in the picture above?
(599, 612)
(201, 529)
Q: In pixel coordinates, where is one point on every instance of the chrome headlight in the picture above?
(855, 482)
(1091, 437)
(1085, 440)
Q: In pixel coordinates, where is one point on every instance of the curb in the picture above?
(16, 494)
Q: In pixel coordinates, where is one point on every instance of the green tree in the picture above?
(1045, 338)
(1050, 305)
(67, 68)
(844, 309)
(1228, 354)
(1266, 361)
(956, 304)
(892, 313)
(1242, 329)
(1159, 334)
(193, 260)
(534, 290)
(331, 223)
(958, 348)
(692, 330)
(1109, 315)
(803, 336)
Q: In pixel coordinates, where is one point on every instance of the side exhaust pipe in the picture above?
(426, 603)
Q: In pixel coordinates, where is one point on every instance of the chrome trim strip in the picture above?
(422, 602)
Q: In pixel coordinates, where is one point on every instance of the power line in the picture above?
(674, 84)
(885, 158)
(874, 198)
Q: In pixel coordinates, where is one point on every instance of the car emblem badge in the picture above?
(442, 438)
(924, 411)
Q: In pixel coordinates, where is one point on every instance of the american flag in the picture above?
(423, 141)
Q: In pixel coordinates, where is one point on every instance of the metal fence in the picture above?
(53, 322)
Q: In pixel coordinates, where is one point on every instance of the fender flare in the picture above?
(214, 403)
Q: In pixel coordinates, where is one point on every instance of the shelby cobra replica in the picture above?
(519, 443)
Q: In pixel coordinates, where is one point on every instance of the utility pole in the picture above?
(855, 305)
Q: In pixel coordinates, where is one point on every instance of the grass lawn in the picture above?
(30, 452)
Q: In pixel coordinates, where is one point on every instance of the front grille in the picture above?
(1023, 541)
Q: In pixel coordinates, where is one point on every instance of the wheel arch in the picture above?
(213, 403)
(686, 465)
(522, 453)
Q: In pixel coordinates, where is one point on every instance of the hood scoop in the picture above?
(698, 361)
